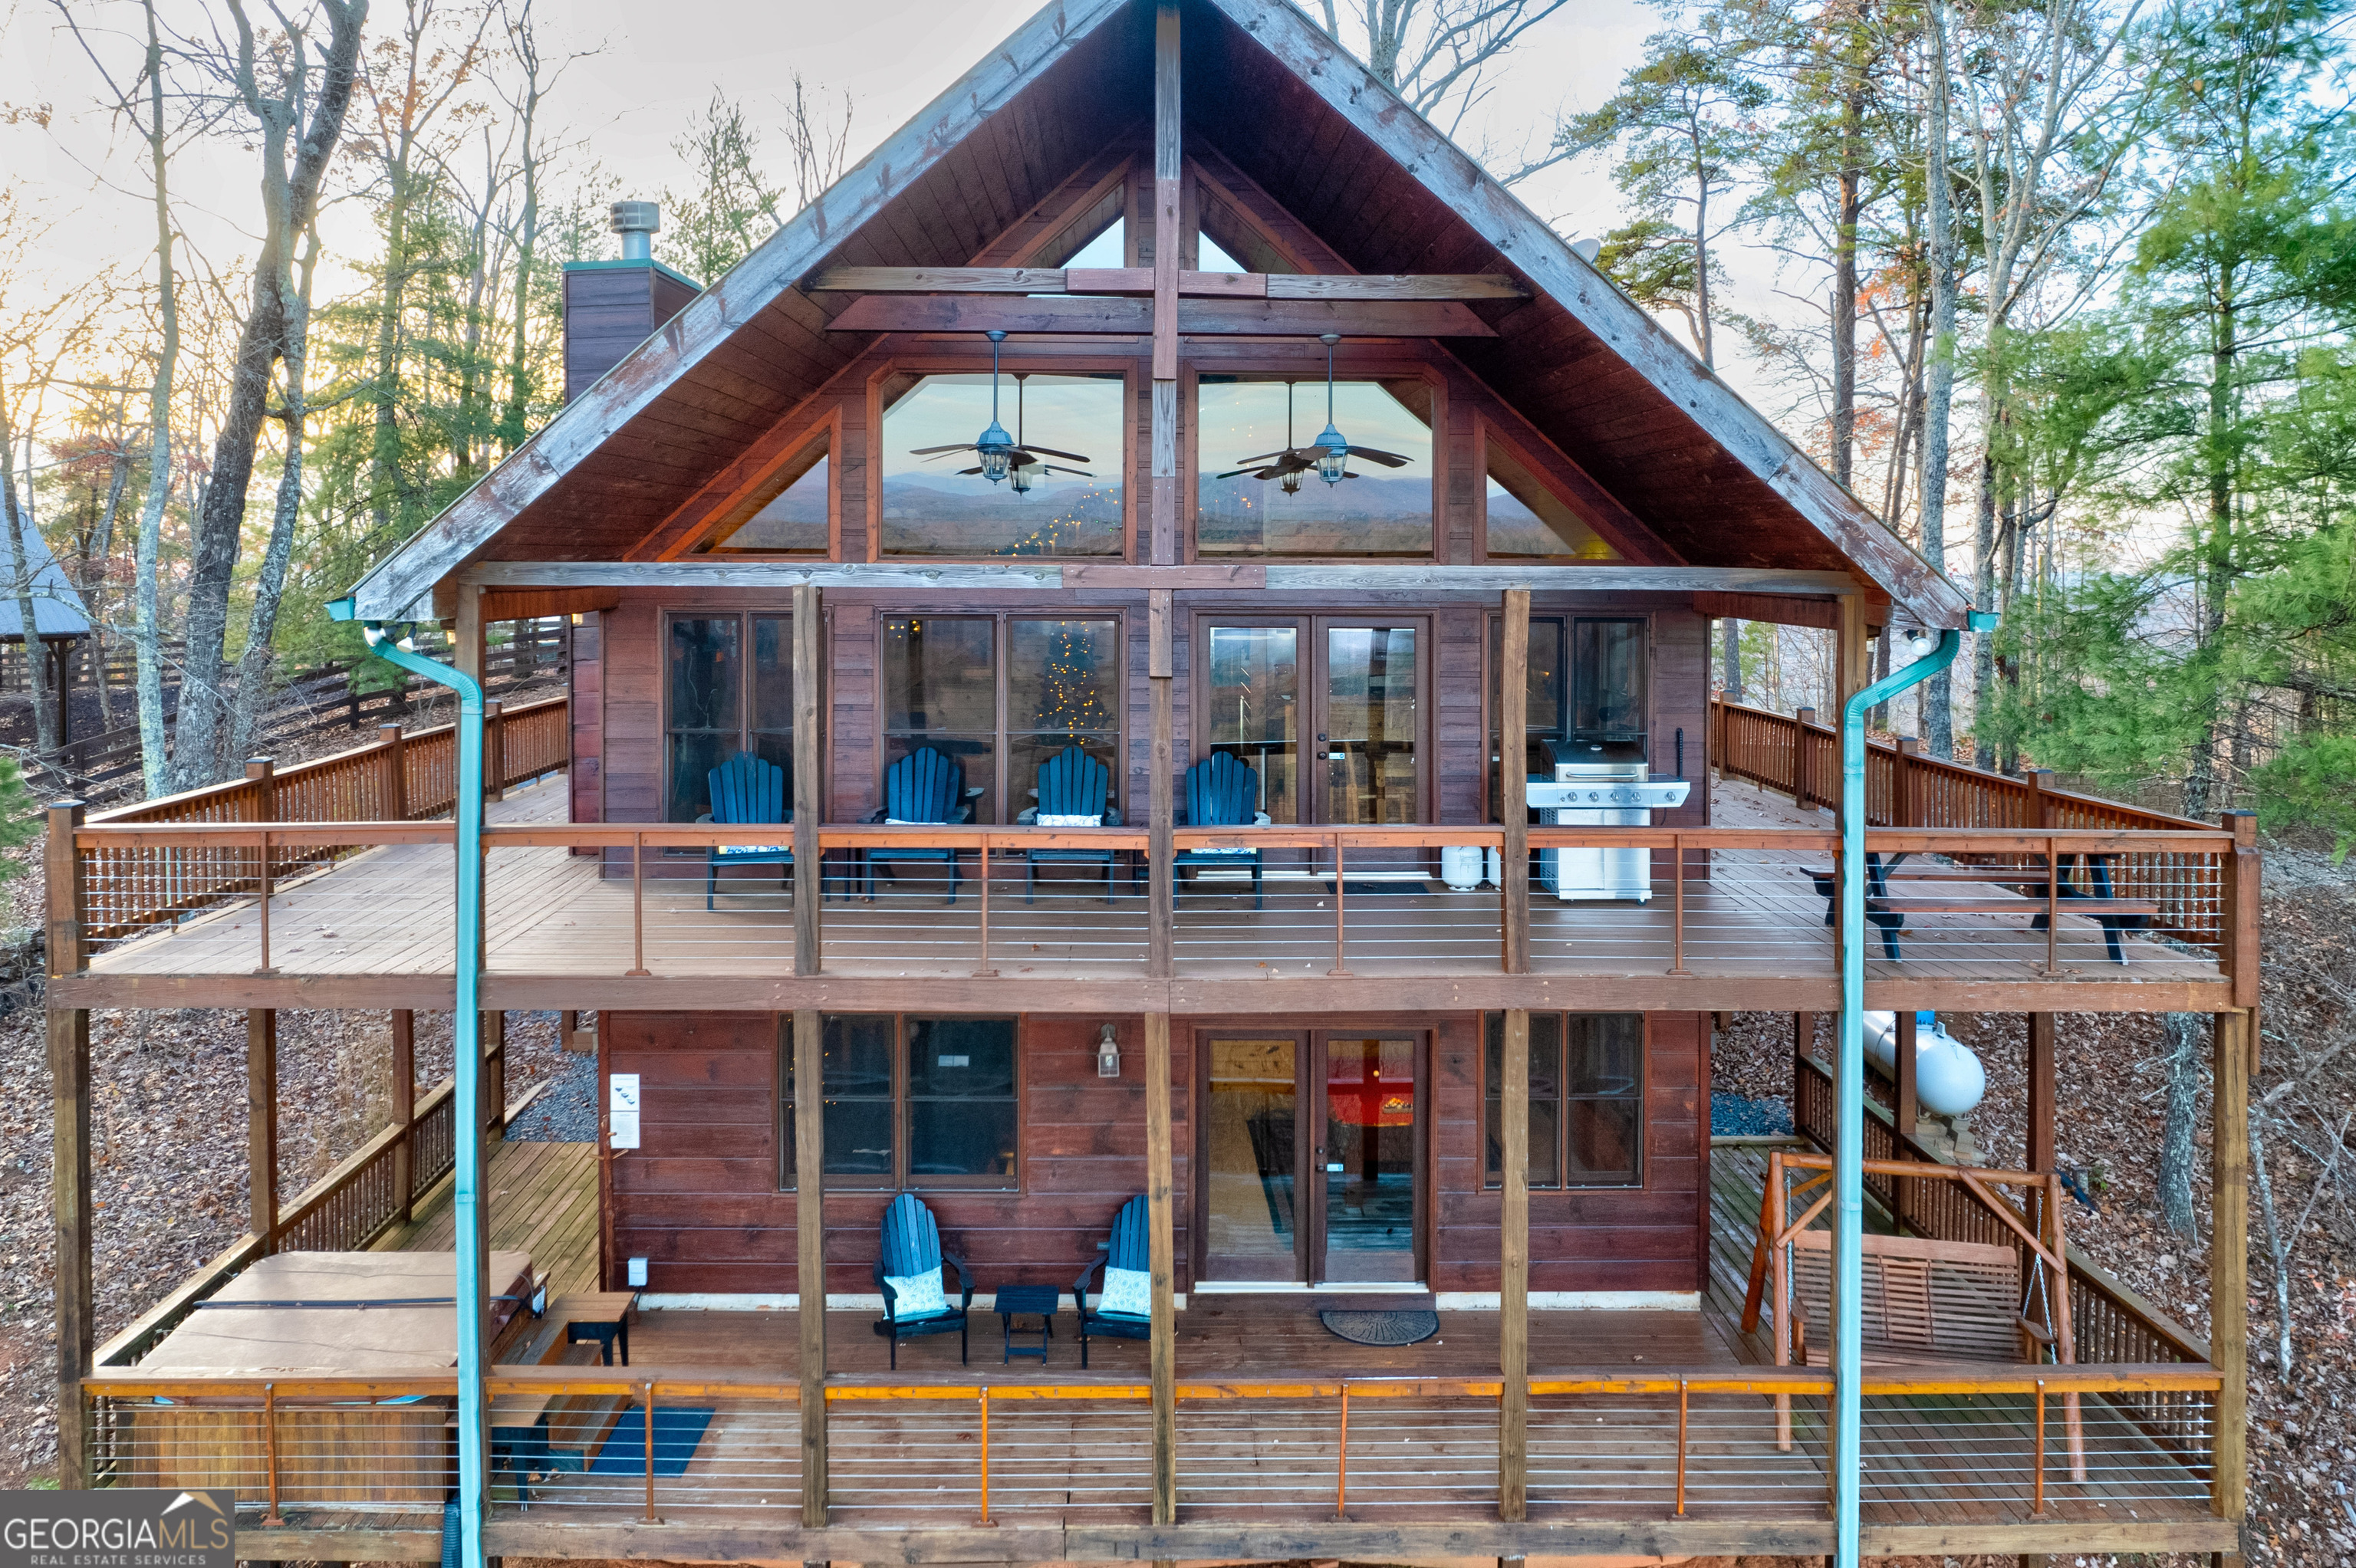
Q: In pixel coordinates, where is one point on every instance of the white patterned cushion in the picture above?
(728, 849)
(1049, 819)
(918, 1296)
(1238, 850)
(1129, 1291)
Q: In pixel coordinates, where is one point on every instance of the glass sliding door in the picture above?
(728, 686)
(1251, 1160)
(1369, 1159)
(1371, 725)
(1253, 701)
(940, 690)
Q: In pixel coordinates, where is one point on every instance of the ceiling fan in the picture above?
(1000, 453)
(1023, 474)
(1328, 454)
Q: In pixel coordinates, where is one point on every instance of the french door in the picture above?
(1310, 1156)
(1329, 711)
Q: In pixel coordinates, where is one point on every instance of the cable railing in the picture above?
(641, 899)
(572, 1444)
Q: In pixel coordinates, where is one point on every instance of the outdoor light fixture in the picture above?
(1000, 453)
(1107, 1054)
(1920, 640)
(1333, 447)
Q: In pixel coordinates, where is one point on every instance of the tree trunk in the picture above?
(102, 550)
(1939, 371)
(1732, 630)
(2217, 547)
(1845, 289)
(37, 671)
(148, 628)
(2186, 1037)
(1984, 595)
(253, 665)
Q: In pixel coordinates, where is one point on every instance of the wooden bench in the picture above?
(1885, 909)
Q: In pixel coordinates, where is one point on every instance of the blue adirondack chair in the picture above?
(1072, 783)
(923, 786)
(912, 1247)
(747, 789)
(1129, 1247)
(1220, 793)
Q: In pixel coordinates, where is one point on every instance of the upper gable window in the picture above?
(1527, 521)
(1243, 426)
(936, 503)
(786, 516)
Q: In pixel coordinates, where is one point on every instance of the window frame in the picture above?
(1642, 1097)
(966, 363)
(1487, 429)
(744, 615)
(1002, 641)
(902, 1178)
(737, 508)
(1377, 365)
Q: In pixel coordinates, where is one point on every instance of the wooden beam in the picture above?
(405, 1109)
(809, 1252)
(1161, 885)
(1513, 1273)
(2041, 1129)
(261, 1126)
(808, 751)
(1103, 315)
(1168, 197)
(1776, 609)
(1140, 281)
(69, 1199)
(1854, 651)
(2229, 1262)
(1483, 582)
(467, 656)
(1513, 777)
(1163, 1252)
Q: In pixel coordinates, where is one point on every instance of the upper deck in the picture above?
(633, 915)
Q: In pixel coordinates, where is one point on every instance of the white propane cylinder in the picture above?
(1948, 1079)
(1459, 868)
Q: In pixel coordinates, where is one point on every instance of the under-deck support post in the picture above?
(1513, 777)
(69, 1053)
(1161, 883)
(2229, 1259)
(809, 1252)
(404, 1108)
(495, 1074)
(809, 746)
(1513, 1273)
(1163, 1261)
(1902, 1063)
(261, 1126)
(2042, 1135)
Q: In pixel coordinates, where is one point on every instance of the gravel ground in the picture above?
(1739, 1116)
(567, 1111)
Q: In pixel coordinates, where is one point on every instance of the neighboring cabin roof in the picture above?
(58, 609)
(1711, 478)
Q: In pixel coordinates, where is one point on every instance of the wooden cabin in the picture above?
(1151, 813)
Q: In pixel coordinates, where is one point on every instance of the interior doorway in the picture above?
(1311, 1157)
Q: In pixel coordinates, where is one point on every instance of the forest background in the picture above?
(2061, 288)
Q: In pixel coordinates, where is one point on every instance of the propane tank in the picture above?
(1949, 1081)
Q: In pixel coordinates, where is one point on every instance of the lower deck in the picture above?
(1650, 1433)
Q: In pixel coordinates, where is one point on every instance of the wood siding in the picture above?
(586, 777)
(700, 1200)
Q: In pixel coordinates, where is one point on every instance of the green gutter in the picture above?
(466, 1069)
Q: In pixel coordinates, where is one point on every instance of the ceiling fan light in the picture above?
(997, 450)
(1332, 454)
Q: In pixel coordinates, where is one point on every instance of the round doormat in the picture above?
(1381, 1327)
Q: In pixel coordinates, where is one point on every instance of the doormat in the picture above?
(678, 1430)
(1381, 1327)
(1358, 890)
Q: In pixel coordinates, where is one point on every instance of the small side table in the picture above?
(1027, 1301)
(599, 1315)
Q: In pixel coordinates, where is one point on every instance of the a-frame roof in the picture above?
(1379, 189)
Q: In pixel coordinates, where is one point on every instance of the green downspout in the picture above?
(1849, 1141)
(466, 1070)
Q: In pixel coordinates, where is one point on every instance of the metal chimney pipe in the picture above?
(636, 222)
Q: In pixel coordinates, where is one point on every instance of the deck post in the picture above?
(1901, 790)
(495, 753)
(1161, 885)
(69, 1053)
(495, 1076)
(1162, 1260)
(392, 789)
(261, 1126)
(2229, 1259)
(405, 1109)
(467, 650)
(1803, 789)
(1513, 1273)
(2240, 951)
(1803, 1043)
(809, 1252)
(2041, 1133)
(1902, 1061)
(809, 748)
(1853, 651)
(1513, 777)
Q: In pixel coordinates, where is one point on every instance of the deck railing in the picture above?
(647, 899)
(1669, 1442)
(2110, 1323)
(396, 777)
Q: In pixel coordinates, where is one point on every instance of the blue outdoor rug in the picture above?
(678, 1429)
